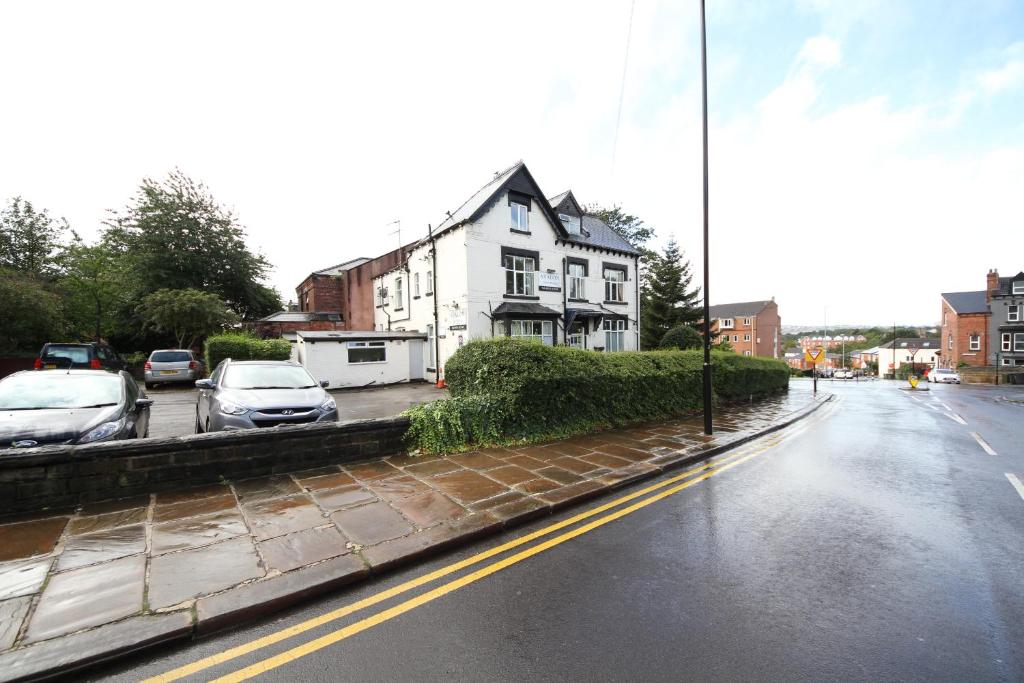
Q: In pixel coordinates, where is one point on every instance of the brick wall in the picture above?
(960, 328)
(64, 476)
(768, 328)
(359, 294)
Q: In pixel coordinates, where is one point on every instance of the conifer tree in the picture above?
(669, 298)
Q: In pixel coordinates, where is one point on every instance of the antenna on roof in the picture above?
(449, 213)
(398, 222)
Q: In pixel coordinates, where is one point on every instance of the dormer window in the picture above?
(1018, 287)
(726, 323)
(571, 223)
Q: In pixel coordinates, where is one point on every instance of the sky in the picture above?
(864, 156)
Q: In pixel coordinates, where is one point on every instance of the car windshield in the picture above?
(170, 356)
(38, 390)
(944, 372)
(267, 377)
(76, 354)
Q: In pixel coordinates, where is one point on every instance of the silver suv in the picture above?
(249, 394)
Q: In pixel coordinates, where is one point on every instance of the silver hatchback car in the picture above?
(171, 365)
(250, 394)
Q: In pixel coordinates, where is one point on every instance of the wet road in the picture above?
(877, 540)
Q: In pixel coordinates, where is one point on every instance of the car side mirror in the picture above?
(143, 404)
(205, 384)
(324, 383)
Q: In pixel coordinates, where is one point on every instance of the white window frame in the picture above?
(736, 338)
(746, 353)
(542, 331)
(416, 285)
(950, 344)
(726, 323)
(746, 337)
(520, 215)
(1007, 341)
(974, 342)
(430, 282)
(1018, 287)
(576, 335)
(524, 266)
(399, 299)
(366, 345)
(577, 283)
(746, 322)
(615, 289)
(1018, 342)
(431, 357)
(1013, 313)
(614, 334)
(382, 296)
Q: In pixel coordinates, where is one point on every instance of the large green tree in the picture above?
(178, 237)
(29, 238)
(669, 298)
(186, 314)
(97, 286)
(30, 311)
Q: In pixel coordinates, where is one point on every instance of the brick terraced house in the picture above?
(981, 326)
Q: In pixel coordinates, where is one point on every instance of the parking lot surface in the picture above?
(174, 407)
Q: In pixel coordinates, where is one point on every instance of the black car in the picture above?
(70, 407)
(89, 355)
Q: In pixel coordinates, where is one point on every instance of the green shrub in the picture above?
(135, 359)
(238, 346)
(507, 390)
(682, 338)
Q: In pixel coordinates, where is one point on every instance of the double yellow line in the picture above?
(665, 488)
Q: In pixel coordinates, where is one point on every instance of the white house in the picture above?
(509, 261)
(921, 352)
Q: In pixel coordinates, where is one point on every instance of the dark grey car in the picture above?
(253, 394)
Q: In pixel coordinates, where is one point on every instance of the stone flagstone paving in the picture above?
(109, 561)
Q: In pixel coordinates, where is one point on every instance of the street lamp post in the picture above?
(707, 279)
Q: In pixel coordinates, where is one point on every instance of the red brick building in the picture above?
(965, 329)
(753, 328)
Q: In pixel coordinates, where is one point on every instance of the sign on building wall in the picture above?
(549, 282)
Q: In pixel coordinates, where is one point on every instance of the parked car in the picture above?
(843, 373)
(171, 365)
(249, 394)
(944, 376)
(75, 406)
(73, 356)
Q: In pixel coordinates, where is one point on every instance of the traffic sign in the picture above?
(816, 356)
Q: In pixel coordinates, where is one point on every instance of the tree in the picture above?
(178, 237)
(97, 286)
(186, 314)
(29, 239)
(632, 228)
(30, 311)
(669, 300)
(682, 337)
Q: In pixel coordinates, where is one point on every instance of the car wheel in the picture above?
(199, 427)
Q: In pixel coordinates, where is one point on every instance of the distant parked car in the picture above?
(73, 356)
(843, 373)
(171, 365)
(248, 394)
(944, 376)
(75, 406)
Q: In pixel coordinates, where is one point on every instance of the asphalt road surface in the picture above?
(878, 540)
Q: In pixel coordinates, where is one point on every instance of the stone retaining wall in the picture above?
(64, 476)
(987, 375)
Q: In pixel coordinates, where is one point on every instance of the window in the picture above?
(735, 337)
(1013, 313)
(614, 334)
(614, 284)
(575, 336)
(571, 223)
(433, 348)
(950, 342)
(537, 330)
(746, 353)
(577, 281)
(430, 282)
(746, 337)
(746, 322)
(520, 217)
(366, 352)
(726, 323)
(416, 285)
(519, 276)
(1006, 341)
(1018, 341)
(399, 299)
(975, 342)
(1018, 287)
(382, 296)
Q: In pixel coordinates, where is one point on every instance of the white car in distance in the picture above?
(944, 376)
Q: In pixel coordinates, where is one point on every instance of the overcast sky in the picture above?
(865, 156)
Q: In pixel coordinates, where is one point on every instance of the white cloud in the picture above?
(820, 51)
(1006, 77)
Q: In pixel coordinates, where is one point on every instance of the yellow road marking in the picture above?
(297, 629)
(334, 615)
(369, 622)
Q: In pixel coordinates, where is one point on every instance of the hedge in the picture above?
(239, 346)
(511, 391)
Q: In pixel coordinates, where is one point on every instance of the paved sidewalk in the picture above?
(163, 566)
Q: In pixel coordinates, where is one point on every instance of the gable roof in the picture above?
(967, 302)
(342, 267)
(746, 308)
(1004, 284)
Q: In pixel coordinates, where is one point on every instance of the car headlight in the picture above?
(232, 409)
(103, 431)
(328, 405)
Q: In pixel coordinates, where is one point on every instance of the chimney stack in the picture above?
(991, 284)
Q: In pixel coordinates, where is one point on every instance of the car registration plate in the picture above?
(168, 372)
(51, 366)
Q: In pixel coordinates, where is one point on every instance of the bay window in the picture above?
(614, 334)
(536, 330)
(1018, 341)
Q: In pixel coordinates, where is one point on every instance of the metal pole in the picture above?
(707, 279)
